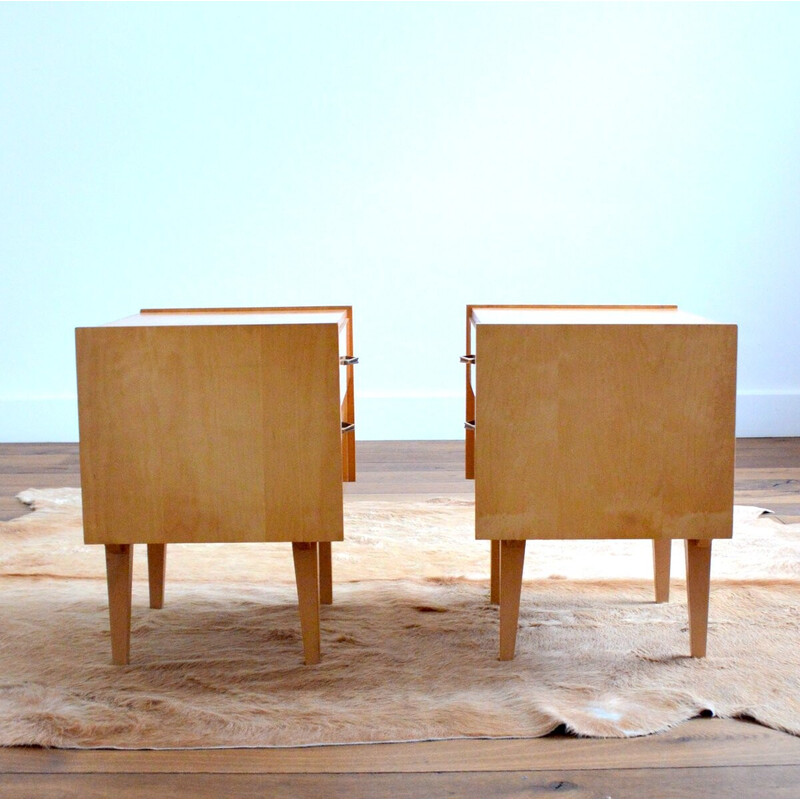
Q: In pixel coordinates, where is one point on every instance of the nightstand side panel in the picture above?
(604, 431)
(210, 433)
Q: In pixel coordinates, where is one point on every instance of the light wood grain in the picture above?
(698, 575)
(604, 431)
(215, 434)
(345, 323)
(603, 422)
(764, 782)
(512, 560)
(662, 559)
(119, 572)
(306, 567)
(199, 427)
(156, 573)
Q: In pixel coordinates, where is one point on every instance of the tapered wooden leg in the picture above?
(494, 587)
(662, 553)
(156, 573)
(325, 574)
(306, 570)
(698, 574)
(512, 560)
(119, 572)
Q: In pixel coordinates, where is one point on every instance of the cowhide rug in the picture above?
(409, 645)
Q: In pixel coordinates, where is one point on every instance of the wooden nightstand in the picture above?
(216, 425)
(597, 423)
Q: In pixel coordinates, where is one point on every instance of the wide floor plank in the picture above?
(688, 782)
(697, 743)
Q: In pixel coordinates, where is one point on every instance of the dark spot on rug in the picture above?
(431, 609)
(560, 730)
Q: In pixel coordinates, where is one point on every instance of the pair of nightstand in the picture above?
(236, 425)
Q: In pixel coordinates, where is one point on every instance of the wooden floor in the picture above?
(705, 757)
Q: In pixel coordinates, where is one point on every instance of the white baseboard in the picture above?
(55, 419)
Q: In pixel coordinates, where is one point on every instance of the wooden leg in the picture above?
(306, 569)
(119, 572)
(156, 572)
(662, 552)
(325, 574)
(494, 590)
(698, 574)
(512, 560)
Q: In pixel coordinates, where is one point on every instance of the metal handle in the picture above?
(346, 361)
(467, 359)
(470, 426)
(348, 426)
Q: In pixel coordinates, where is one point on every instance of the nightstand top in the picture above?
(234, 316)
(584, 315)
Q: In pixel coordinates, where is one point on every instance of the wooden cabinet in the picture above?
(222, 425)
(600, 422)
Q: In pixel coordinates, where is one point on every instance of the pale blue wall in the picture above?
(408, 157)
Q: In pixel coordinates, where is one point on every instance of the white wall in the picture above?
(403, 158)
